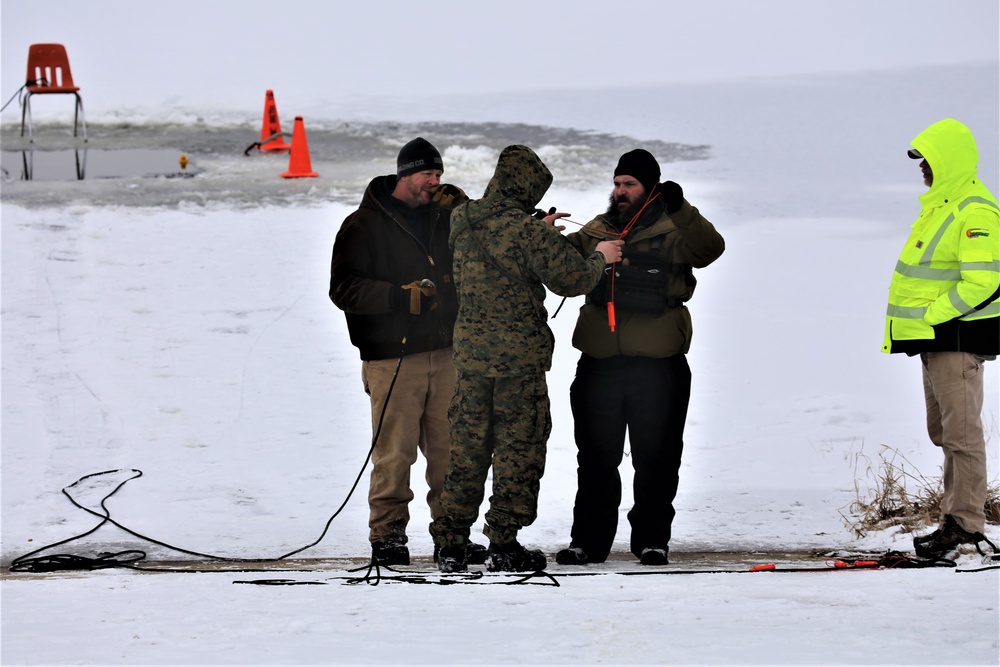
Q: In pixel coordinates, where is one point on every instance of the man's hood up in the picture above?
(950, 150)
(520, 177)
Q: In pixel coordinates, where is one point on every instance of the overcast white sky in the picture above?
(192, 52)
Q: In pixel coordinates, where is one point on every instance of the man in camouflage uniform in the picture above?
(503, 260)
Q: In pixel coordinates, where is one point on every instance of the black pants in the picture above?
(650, 398)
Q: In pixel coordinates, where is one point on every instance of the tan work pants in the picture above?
(415, 419)
(953, 388)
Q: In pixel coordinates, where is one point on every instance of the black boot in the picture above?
(654, 556)
(572, 556)
(947, 538)
(452, 559)
(390, 553)
(924, 539)
(475, 554)
(512, 557)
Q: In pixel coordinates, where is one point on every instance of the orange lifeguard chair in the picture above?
(49, 74)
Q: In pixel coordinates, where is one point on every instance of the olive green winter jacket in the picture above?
(685, 240)
(503, 260)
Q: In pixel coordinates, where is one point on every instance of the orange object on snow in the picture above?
(271, 126)
(299, 164)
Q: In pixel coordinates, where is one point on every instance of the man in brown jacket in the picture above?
(391, 275)
(634, 331)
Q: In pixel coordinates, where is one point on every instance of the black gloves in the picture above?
(448, 196)
(672, 196)
(419, 297)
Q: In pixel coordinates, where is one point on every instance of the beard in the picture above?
(621, 217)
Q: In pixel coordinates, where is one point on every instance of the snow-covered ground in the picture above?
(181, 327)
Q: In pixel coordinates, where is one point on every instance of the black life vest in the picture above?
(642, 281)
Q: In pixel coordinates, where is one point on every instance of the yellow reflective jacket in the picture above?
(943, 294)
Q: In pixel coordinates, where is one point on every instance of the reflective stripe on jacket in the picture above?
(943, 292)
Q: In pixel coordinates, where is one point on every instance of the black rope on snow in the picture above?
(985, 568)
(31, 563)
(378, 432)
(888, 561)
(540, 574)
(367, 578)
(28, 563)
(439, 579)
(373, 576)
(987, 558)
(59, 562)
(281, 582)
(895, 560)
(127, 559)
(979, 537)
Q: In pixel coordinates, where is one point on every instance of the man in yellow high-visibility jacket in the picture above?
(943, 306)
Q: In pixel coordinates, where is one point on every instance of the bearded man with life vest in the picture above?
(634, 332)
(943, 307)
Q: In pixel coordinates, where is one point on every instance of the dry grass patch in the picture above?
(891, 492)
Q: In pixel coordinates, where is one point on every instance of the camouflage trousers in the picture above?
(503, 422)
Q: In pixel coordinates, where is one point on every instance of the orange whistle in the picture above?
(611, 315)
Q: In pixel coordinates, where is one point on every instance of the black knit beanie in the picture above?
(418, 155)
(642, 166)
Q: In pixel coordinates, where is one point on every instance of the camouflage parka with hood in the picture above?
(503, 260)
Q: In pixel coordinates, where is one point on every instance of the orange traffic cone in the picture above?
(299, 165)
(271, 127)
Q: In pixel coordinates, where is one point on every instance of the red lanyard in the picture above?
(622, 235)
